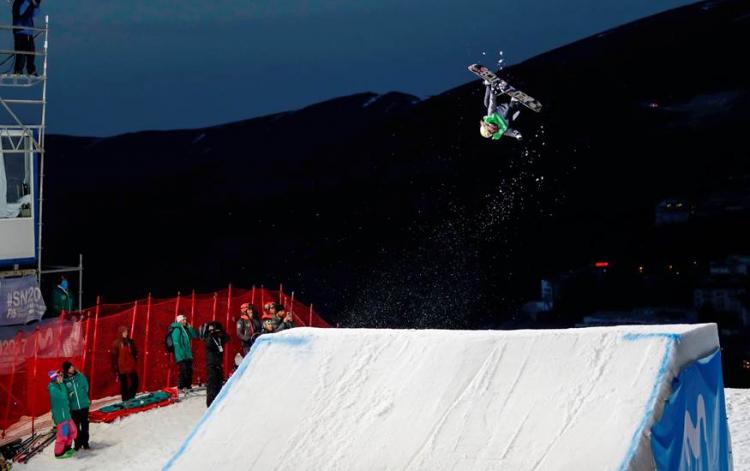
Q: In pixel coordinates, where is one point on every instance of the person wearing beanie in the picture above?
(60, 408)
(182, 333)
(123, 356)
(78, 396)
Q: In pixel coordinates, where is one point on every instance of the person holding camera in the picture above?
(275, 318)
(215, 338)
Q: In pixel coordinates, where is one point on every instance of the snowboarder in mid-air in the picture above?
(499, 118)
(497, 122)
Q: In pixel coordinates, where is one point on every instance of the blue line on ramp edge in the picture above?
(672, 339)
(293, 340)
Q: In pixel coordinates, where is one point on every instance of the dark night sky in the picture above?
(163, 64)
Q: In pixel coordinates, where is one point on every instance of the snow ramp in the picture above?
(577, 399)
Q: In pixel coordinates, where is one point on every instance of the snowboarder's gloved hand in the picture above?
(65, 429)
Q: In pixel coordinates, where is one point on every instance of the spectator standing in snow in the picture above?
(66, 428)
(78, 397)
(248, 327)
(275, 319)
(61, 297)
(124, 355)
(24, 12)
(182, 333)
(215, 338)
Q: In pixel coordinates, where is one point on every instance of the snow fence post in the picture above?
(145, 343)
(33, 394)
(291, 307)
(93, 346)
(215, 306)
(58, 340)
(132, 322)
(192, 307)
(229, 310)
(86, 341)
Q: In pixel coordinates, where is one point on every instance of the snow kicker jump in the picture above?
(619, 398)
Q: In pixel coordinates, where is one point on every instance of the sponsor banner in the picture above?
(693, 433)
(55, 339)
(20, 301)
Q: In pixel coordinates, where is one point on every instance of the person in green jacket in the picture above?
(78, 396)
(62, 300)
(497, 122)
(182, 333)
(60, 408)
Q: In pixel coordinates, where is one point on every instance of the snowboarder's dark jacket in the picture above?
(78, 391)
(215, 342)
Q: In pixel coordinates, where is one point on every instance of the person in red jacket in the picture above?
(124, 356)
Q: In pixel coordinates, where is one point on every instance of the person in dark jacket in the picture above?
(78, 397)
(123, 356)
(62, 299)
(24, 12)
(182, 333)
(215, 338)
(60, 408)
(275, 319)
(248, 327)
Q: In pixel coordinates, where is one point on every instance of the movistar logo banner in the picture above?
(693, 434)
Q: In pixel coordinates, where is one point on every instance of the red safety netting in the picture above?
(86, 337)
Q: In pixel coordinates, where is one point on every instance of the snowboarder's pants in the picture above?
(186, 374)
(214, 382)
(62, 442)
(24, 42)
(490, 101)
(128, 385)
(81, 418)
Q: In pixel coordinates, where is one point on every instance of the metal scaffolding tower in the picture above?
(23, 121)
(23, 113)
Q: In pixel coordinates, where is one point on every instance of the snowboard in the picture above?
(500, 86)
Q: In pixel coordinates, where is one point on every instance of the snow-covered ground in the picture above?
(738, 411)
(141, 442)
(149, 440)
(146, 441)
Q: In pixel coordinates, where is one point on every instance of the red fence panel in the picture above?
(86, 337)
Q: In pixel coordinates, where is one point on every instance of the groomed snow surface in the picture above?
(340, 399)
